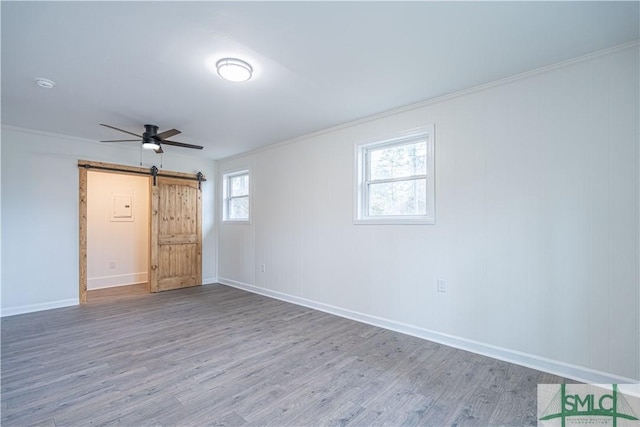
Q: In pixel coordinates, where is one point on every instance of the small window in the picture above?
(236, 196)
(396, 180)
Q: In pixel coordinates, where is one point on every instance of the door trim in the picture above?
(83, 167)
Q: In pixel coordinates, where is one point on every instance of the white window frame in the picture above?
(361, 179)
(227, 198)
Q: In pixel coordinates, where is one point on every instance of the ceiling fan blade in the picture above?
(159, 150)
(182, 144)
(121, 130)
(167, 134)
(121, 140)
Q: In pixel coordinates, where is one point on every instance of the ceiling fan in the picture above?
(153, 140)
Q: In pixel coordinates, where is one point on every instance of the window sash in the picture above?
(418, 201)
(394, 144)
(231, 212)
(231, 181)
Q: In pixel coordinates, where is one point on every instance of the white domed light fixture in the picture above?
(234, 70)
(150, 145)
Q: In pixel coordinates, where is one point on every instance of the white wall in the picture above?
(537, 225)
(40, 214)
(0, 225)
(117, 248)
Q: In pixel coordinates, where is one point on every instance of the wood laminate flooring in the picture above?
(216, 355)
(118, 293)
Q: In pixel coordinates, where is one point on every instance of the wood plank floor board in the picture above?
(416, 415)
(112, 408)
(367, 417)
(411, 412)
(262, 402)
(348, 412)
(38, 385)
(210, 409)
(44, 410)
(476, 407)
(319, 408)
(117, 294)
(512, 410)
(216, 355)
(396, 406)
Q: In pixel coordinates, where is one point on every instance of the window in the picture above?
(395, 180)
(236, 196)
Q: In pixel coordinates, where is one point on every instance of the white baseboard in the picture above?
(116, 280)
(31, 308)
(555, 367)
(12, 311)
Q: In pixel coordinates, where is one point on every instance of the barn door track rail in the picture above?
(153, 171)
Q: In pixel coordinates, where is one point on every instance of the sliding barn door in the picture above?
(176, 235)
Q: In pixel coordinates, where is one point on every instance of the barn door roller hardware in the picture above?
(199, 175)
(154, 174)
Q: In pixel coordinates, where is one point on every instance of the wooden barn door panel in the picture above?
(176, 235)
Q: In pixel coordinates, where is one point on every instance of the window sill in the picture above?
(236, 221)
(394, 221)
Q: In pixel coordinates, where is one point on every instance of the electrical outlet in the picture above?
(263, 268)
(442, 286)
(112, 264)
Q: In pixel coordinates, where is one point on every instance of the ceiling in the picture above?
(317, 64)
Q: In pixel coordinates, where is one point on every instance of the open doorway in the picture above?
(117, 235)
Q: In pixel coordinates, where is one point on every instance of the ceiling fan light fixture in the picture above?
(234, 70)
(150, 145)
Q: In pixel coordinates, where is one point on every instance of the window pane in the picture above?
(239, 208)
(239, 185)
(398, 198)
(398, 161)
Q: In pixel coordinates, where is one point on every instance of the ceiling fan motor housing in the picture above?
(150, 131)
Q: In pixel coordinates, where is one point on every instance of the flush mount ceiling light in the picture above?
(234, 70)
(45, 83)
